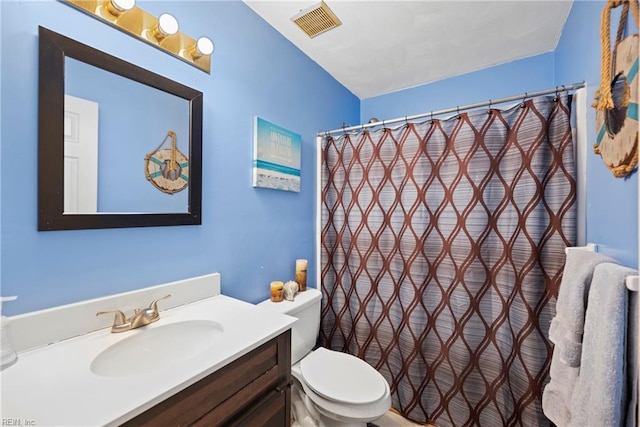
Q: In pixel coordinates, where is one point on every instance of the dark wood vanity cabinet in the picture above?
(253, 390)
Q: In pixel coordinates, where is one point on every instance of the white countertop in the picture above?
(54, 386)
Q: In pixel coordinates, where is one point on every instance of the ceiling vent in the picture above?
(316, 19)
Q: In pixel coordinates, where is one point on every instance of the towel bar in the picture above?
(591, 247)
(633, 282)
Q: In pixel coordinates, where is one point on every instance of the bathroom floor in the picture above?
(393, 419)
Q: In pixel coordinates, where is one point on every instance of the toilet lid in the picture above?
(342, 377)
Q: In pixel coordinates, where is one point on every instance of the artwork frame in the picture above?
(276, 156)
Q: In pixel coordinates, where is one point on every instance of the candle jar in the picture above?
(277, 291)
(301, 274)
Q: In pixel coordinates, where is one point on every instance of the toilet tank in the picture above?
(306, 308)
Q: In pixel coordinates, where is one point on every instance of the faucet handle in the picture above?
(154, 304)
(119, 320)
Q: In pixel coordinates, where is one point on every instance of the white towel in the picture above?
(568, 324)
(632, 361)
(599, 394)
(566, 333)
(556, 398)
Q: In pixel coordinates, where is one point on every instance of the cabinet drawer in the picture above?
(227, 392)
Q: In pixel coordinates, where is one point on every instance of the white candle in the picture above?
(301, 274)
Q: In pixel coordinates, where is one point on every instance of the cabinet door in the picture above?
(272, 411)
(229, 393)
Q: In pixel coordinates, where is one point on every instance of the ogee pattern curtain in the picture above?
(442, 252)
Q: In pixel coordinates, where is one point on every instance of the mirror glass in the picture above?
(118, 145)
(111, 124)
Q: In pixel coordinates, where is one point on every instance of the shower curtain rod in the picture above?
(557, 89)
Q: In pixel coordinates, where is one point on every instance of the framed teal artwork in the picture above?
(276, 156)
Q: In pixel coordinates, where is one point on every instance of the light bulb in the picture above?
(123, 5)
(115, 8)
(204, 46)
(167, 24)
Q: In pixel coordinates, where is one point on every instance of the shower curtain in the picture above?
(442, 249)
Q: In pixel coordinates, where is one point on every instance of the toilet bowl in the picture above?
(332, 389)
(342, 389)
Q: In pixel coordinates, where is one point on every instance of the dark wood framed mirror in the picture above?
(124, 196)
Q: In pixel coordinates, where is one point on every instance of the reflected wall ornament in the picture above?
(162, 32)
(167, 168)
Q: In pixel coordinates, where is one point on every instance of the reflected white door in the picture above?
(80, 155)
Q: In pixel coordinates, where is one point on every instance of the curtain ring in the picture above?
(431, 116)
(558, 93)
(383, 126)
(344, 125)
(524, 99)
(489, 110)
(458, 112)
(406, 121)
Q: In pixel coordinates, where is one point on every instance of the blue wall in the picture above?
(251, 236)
(508, 79)
(612, 203)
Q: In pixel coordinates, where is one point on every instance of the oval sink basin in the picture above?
(156, 348)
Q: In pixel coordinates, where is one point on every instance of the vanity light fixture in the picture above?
(161, 32)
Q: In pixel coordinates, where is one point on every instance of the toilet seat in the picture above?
(341, 377)
(352, 414)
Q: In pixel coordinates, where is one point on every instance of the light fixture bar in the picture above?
(161, 32)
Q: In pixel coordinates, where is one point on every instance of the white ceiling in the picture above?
(386, 46)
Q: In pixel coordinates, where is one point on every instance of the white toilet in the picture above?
(338, 389)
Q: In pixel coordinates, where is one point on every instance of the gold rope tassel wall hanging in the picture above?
(616, 100)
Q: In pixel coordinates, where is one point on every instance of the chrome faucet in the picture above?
(141, 317)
